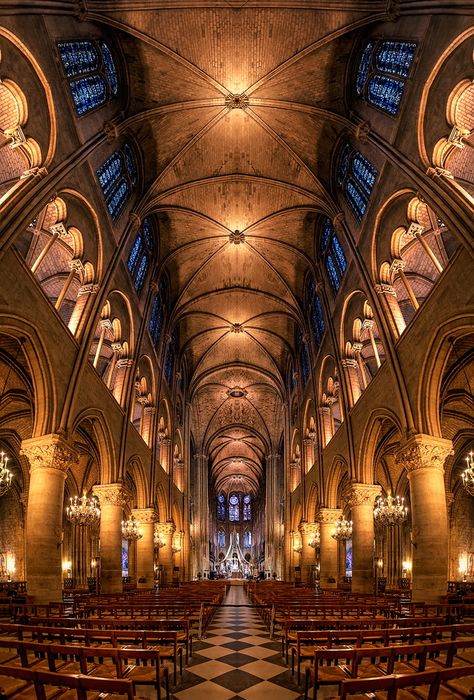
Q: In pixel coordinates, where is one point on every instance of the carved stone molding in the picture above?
(385, 289)
(424, 452)
(146, 516)
(339, 222)
(49, 451)
(307, 528)
(362, 132)
(112, 494)
(166, 528)
(328, 516)
(362, 494)
(111, 132)
(88, 289)
(135, 222)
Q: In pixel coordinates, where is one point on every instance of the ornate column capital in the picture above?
(384, 288)
(362, 494)
(88, 289)
(307, 528)
(167, 528)
(49, 451)
(328, 516)
(145, 516)
(112, 494)
(424, 452)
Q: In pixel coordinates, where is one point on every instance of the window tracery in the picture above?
(382, 72)
(221, 506)
(247, 539)
(221, 538)
(140, 255)
(92, 74)
(356, 177)
(118, 177)
(234, 508)
(247, 507)
(315, 310)
(333, 254)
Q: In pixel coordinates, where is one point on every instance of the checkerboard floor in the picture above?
(237, 659)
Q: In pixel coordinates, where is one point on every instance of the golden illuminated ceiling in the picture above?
(215, 164)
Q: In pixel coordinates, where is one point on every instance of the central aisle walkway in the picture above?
(237, 659)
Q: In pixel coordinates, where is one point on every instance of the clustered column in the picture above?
(423, 456)
(271, 513)
(49, 456)
(328, 547)
(308, 554)
(361, 499)
(166, 531)
(145, 546)
(112, 499)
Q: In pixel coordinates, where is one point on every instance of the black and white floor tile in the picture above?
(237, 660)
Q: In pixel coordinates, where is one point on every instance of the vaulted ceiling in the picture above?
(237, 108)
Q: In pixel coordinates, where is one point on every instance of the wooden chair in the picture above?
(167, 644)
(358, 689)
(15, 679)
(51, 684)
(147, 669)
(456, 682)
(325, 670)
(91, 687)
(412, 686)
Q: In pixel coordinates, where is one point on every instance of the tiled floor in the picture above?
(237, 659)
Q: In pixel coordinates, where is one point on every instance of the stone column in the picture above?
(166, 531)
(328, 547)
(112, 499)
(361, 499)
(49, 456)
(423, 456)
(271, 513)
(79, 315)
(145, 546)
(308, 554)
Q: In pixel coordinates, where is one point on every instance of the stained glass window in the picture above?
(332, 253)
(247, 539)
(383, 68)
(357, 186)
(141, 255)
(115, 180)
(221, 506)
(234, 508)
(356, 198)
(338, 254)
(247, 508)
(155, 320)
(332, 273)
(363, 171)
(317, 319)
(92, 73)
(168, 366)
(221, 538)
(305, 363)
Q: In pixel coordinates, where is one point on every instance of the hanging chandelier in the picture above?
(468, 475)
(158, 540)
(315, 541)
(390, 511)
(6, 475)
(83, 511)
(131, 530)
(343, 530)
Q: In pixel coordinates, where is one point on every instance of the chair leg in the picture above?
(167, 687)
(306, 684)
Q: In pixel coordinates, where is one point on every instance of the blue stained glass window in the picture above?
(332, 272)
(117, 199)
(385, 92)
(326, 233)
(221, 506)
(88, 93)
(343, 165)
(310, 291)
(305, 363)
(130, 163)
(154, 325)
(338, 254)
(317, 319)
(247, 539)
(395, 57)
(147, 232)
(109, 172)
(247, 509)
(364, 68)
(221, 538)
(234, 508)
(364, 172)
(135, 254)
(78, 57)
(356, 198)
(109, 67)
(141, 273)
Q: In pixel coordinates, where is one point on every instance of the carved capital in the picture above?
(328, 516)
(88, 289)
(49, 451)
(111, 132)
(348, 362)
(166, 528)
(385, 289)
(112, 494)
(362, 132)
(362, 495)
(440, 172)
(76, 265)
(393, 10)
(424, 452)
(145, 516)
(308, 528)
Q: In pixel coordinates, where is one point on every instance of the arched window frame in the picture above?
(234, 508)
(141, 255)
(356, 177)
(221, 507)
(118, 177)
(305, 361)
(315, 311)
(247, 507)
(383, 69)
(247, 539)
(332, 253)
(92, 73)
(220, 538)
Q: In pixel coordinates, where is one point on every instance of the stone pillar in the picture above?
(119, 382)
(308, 554)
(327, 424)
(166, 531)
(149, 413)
(394, 314)
(79, 315)
(271, 513)
(423, 456)
(145, 546)
(328, 547)
(49, 456)
(112, 499)
(201, 513)
(351, 370)
(361, 499)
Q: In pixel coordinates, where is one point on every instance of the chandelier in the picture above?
(131, 530)
(83, 511)
(468, 475)
(315, 541)
(343, 530)
(390, 511)
(6, 475)
(158, 540)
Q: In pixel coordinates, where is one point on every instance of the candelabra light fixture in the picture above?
(6, 475)
(468, 474)
(343, 530)
(390, 511)
(83, 511)
(176, 546)
(315, 541)
(158, 540)
(131, 530)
